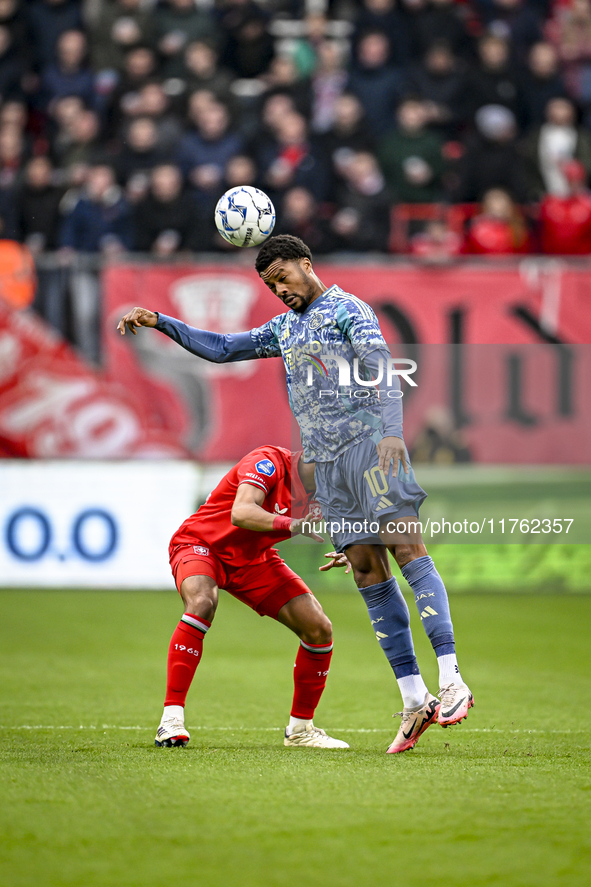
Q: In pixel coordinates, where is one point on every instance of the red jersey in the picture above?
(269, 469)
(566, 225)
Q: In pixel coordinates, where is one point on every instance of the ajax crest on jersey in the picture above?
(316, 321)
(265, 466)
(245, 216)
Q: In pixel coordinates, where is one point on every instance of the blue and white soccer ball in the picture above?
(245, 216)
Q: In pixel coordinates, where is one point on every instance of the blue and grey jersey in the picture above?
(332, 352)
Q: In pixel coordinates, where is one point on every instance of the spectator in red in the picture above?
(565, 221)
(499, 228)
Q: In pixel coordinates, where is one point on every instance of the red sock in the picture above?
(311, 669)
(184, 655)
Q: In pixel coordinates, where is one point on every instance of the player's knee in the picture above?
(318, 631)
(406, 552)
(372, 575)
(203, 606)
(200, 599)
(370, 564)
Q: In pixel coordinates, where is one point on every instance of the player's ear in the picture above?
(306, 265)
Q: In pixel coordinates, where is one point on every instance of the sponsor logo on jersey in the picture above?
(280, 510)
(316, 322)
(265, 466)
(200, 549)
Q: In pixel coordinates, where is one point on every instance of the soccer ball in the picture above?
(244, 216)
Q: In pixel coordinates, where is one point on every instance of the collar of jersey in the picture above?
(319, 300)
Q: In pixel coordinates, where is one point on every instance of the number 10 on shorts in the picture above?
(376, 480)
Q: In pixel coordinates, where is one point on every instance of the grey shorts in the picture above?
(357, 498)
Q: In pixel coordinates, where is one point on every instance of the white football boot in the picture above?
(309, 736)
(172, 733)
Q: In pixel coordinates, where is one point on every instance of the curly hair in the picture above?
(283, 246)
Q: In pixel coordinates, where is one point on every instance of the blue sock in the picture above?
(432, 603)
(390, 620)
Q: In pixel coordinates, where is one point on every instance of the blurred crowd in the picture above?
(434, 127)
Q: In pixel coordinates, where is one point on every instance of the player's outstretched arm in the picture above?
(136, 318)
(248, 513)
(215, 347)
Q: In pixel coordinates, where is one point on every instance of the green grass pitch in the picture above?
(88, 801)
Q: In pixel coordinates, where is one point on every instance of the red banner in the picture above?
(510, 403)
(499, 404)
(53, 405)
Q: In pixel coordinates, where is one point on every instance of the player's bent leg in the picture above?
(433, 605)
(305, 616)
(200, 597)
(390, 620)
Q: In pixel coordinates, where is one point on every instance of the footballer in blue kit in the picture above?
(344, 391)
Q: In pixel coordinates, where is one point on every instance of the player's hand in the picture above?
(296, 528)
(392, 448)
(135, 318)
(337, 560)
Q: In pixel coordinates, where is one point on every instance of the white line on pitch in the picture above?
(498, 730)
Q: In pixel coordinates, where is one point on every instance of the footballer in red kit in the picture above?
(228, 543)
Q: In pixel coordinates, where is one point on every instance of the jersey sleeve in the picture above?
(265, 338)
(390, 394)
(215, 347)
(259, 470)
(358, 322)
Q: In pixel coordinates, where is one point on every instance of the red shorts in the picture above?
(266, 587)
